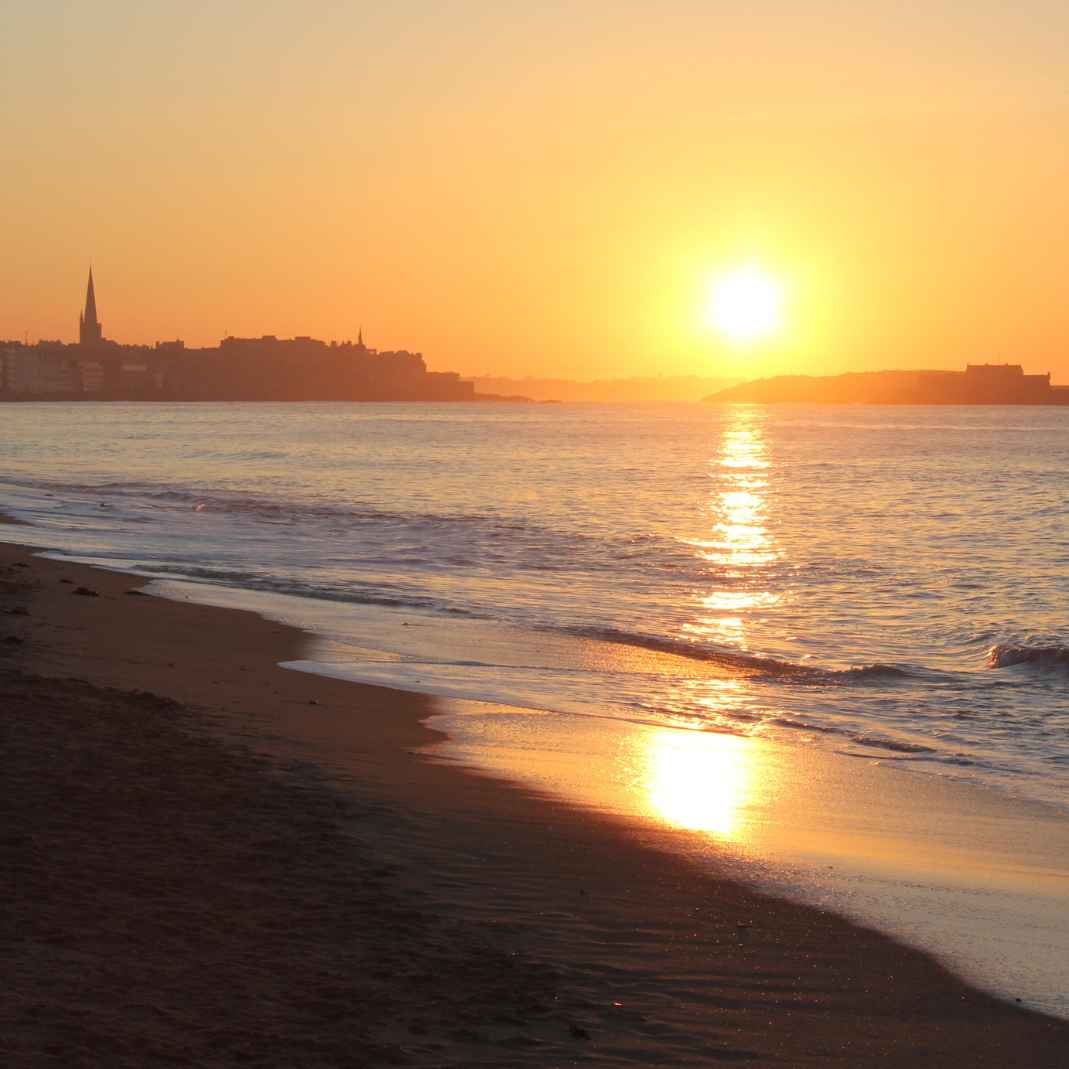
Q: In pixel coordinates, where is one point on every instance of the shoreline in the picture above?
(969, 874)
(952, 868)
(617, 919)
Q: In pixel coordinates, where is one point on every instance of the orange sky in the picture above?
(544, 186)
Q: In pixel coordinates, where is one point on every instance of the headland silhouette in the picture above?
(978, 384)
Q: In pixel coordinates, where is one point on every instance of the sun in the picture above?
(745, 305)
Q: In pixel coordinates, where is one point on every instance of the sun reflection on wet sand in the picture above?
(977, 877)
(699, 780)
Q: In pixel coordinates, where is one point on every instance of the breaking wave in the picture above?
(745, 663)
(1049, 658)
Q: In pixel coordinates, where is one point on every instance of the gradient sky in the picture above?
(533, 186)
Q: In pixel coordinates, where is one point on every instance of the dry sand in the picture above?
(220, 873)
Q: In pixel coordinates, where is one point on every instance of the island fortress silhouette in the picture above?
(978, 384)
(238, 369)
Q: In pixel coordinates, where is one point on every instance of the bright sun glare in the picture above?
(746, 305)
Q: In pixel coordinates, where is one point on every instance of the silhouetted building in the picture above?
(981, 384)
(89, 329)
(239, 369)
(306, 369)
(43, 371)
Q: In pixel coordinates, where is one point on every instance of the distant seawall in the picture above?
(978, 384)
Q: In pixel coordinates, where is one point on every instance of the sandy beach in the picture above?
(209, 860)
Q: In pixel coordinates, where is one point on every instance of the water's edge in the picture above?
(917, 902)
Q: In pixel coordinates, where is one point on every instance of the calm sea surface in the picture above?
(895, 578)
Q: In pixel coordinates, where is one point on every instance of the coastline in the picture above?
(616, 919)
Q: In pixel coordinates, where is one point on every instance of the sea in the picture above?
(881, 585)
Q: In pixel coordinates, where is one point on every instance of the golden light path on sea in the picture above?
(740, 544)
(704, 780)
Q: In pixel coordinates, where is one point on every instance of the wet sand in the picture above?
(255, 866)
(951, 867)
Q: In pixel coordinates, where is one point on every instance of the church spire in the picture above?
(90, 302)
(89, 330)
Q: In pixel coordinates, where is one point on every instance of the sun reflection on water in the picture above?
(740, 546)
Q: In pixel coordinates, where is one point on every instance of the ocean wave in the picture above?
(604, 551)
(751, 664)
(295, 588)
(1049, 658)
(878, 670)
(748, 663)
(880, 742)
(883, 743)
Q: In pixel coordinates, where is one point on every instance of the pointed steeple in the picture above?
(89, 329)
(90, 301)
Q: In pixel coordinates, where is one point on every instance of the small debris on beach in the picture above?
(137, 593)
(86, 592)
(19, 610)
